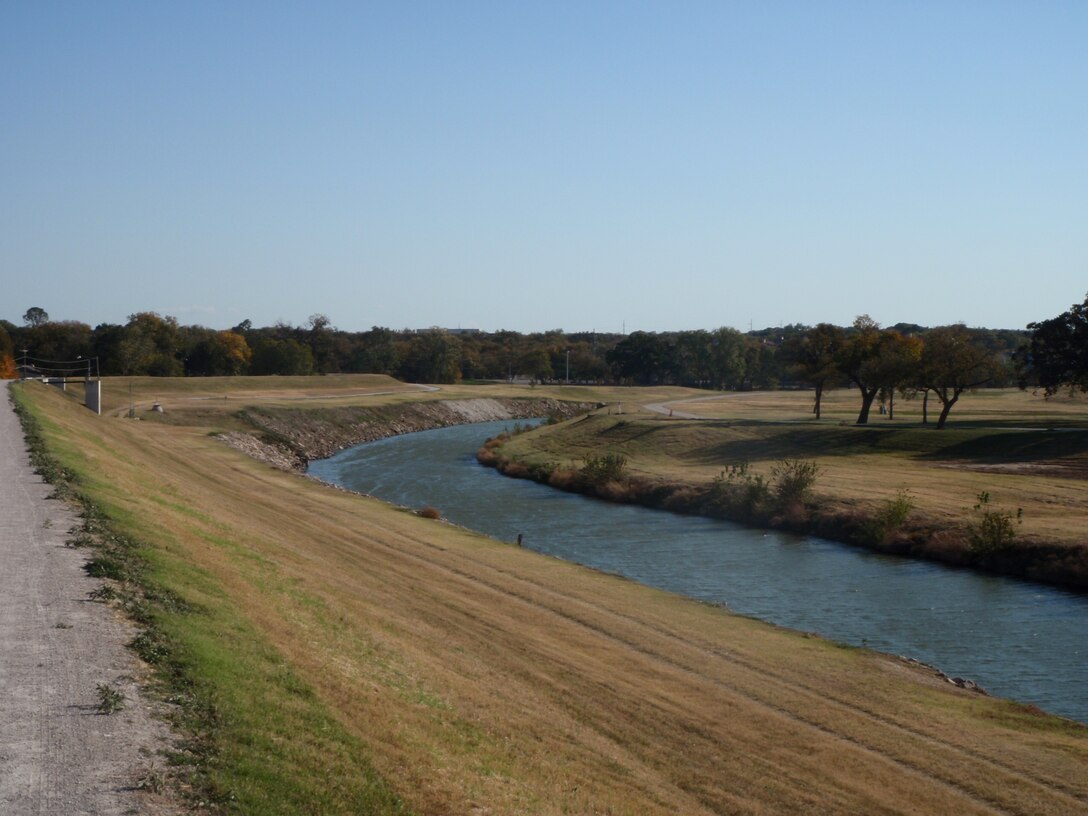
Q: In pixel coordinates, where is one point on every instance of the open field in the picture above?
(1026, 452)
(995, 407)
(341, 655)
(221, 395)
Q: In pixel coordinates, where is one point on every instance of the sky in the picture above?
(580, 165)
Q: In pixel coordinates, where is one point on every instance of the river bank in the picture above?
(592, 462)
(289, 438)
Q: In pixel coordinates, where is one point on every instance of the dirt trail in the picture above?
(58, 755)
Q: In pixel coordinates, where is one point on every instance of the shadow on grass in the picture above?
(765, 441)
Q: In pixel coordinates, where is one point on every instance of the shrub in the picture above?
(429, 512)
(793, 481)
(563, 478)
(891, 516)
(995, 530)
(598, 470)
(737, 488)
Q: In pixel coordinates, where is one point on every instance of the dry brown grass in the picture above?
(488, 679)
(943, 471)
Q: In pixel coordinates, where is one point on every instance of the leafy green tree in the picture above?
(641, 358)
(322, 340)
(376, 352)
(59, 341)
(858, 360)
(728, 361)
(814, 358)
(151, 346)
(286, 357)
(35, 316)
(898, 366)
(691, 359)
(1058, 350)
(536, 364)
(219, 354)
(951, 363)
(433, 356)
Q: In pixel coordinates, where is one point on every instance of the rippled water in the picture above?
(1016, 639)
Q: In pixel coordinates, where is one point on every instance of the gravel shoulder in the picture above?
(58, 754)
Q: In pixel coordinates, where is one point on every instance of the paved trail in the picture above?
(58, 755)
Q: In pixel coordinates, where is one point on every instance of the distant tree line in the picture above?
(906, 359)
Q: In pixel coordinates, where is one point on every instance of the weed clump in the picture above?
(739, 491)
(600, 470)
(110, 699)
(890, 518)
(995, 530)
(793, 481)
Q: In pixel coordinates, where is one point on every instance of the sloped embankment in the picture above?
(289, 438)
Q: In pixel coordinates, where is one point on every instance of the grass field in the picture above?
(332, 654)
(1025, 451)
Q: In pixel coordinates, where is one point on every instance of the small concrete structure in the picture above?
(92, 395)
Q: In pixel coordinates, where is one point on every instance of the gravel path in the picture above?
(58, 755)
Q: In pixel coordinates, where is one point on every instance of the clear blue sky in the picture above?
(529, 166)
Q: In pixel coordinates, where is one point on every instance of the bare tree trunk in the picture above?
(925, 407)
(819, 395)
(867, 397)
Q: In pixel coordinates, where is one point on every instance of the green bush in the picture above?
(995, 530)
(598, 470)
(738, 489)
(891, 516)
(793, 480)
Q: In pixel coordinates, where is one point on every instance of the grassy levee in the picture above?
(333, 654)
(1026, 453)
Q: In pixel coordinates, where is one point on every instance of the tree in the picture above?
(376, 352)
(537, 364)
(728, 361)
(433, 356)
(953, 363)
(691, 359)
(322, 342)
(151, 346)
(814, 356)
(858, 361)
(287, 357)
(219, 354)
(1058, 350)
(35, 316)
(62, 340)
(897, 365)
(641, 357)
(7, 356)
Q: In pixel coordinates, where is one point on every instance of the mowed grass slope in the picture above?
(361, 659)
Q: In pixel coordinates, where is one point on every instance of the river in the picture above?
(1016, 639)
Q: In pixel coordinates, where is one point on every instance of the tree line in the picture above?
(905, 360)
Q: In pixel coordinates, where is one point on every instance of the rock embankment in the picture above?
(289, 438)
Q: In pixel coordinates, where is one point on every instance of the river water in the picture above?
(1016, 639)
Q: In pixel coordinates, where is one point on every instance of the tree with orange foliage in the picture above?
(7, 356)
